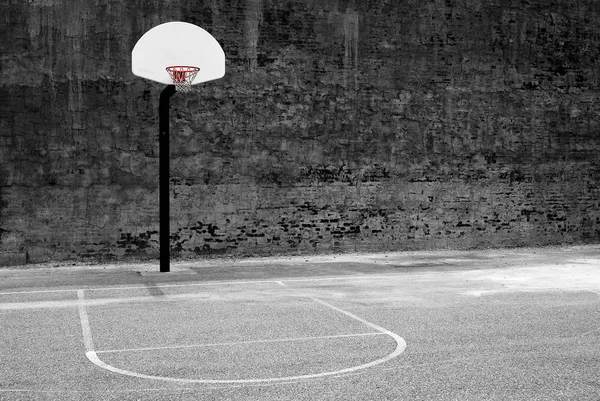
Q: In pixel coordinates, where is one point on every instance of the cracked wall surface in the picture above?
(339, 126)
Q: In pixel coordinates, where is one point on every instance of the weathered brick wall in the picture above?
(340, 125)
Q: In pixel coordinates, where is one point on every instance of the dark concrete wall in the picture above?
(340, 125)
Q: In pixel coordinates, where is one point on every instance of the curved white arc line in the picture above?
(93, 357)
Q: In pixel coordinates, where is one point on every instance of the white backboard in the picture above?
(177, 43)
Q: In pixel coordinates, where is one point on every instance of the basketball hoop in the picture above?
(183, 76)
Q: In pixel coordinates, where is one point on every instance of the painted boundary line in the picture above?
(99, 301)
(92, 355)
(138, 287)
(280, 282)
(85, 321)
(36, 292)
(278, 340)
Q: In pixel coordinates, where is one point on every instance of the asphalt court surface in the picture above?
(512, 324)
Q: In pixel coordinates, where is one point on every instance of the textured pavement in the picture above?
(519, 324)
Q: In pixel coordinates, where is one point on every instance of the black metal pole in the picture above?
(163, 176)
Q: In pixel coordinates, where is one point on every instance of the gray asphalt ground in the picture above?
(520, 324)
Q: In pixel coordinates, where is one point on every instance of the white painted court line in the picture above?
(85, 322)
(233, 343)
(101, 301)
(142, 286)
(35, 292)
(6, 306)
(282, 281)
(371, 325)
(92, 355)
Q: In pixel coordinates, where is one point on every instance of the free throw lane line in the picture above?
(233, 343)
(91, 354)
(85, 322)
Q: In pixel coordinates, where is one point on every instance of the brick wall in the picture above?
(340, 125)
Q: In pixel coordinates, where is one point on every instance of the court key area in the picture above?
(446, 325)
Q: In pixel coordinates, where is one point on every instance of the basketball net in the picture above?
(183, 76)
